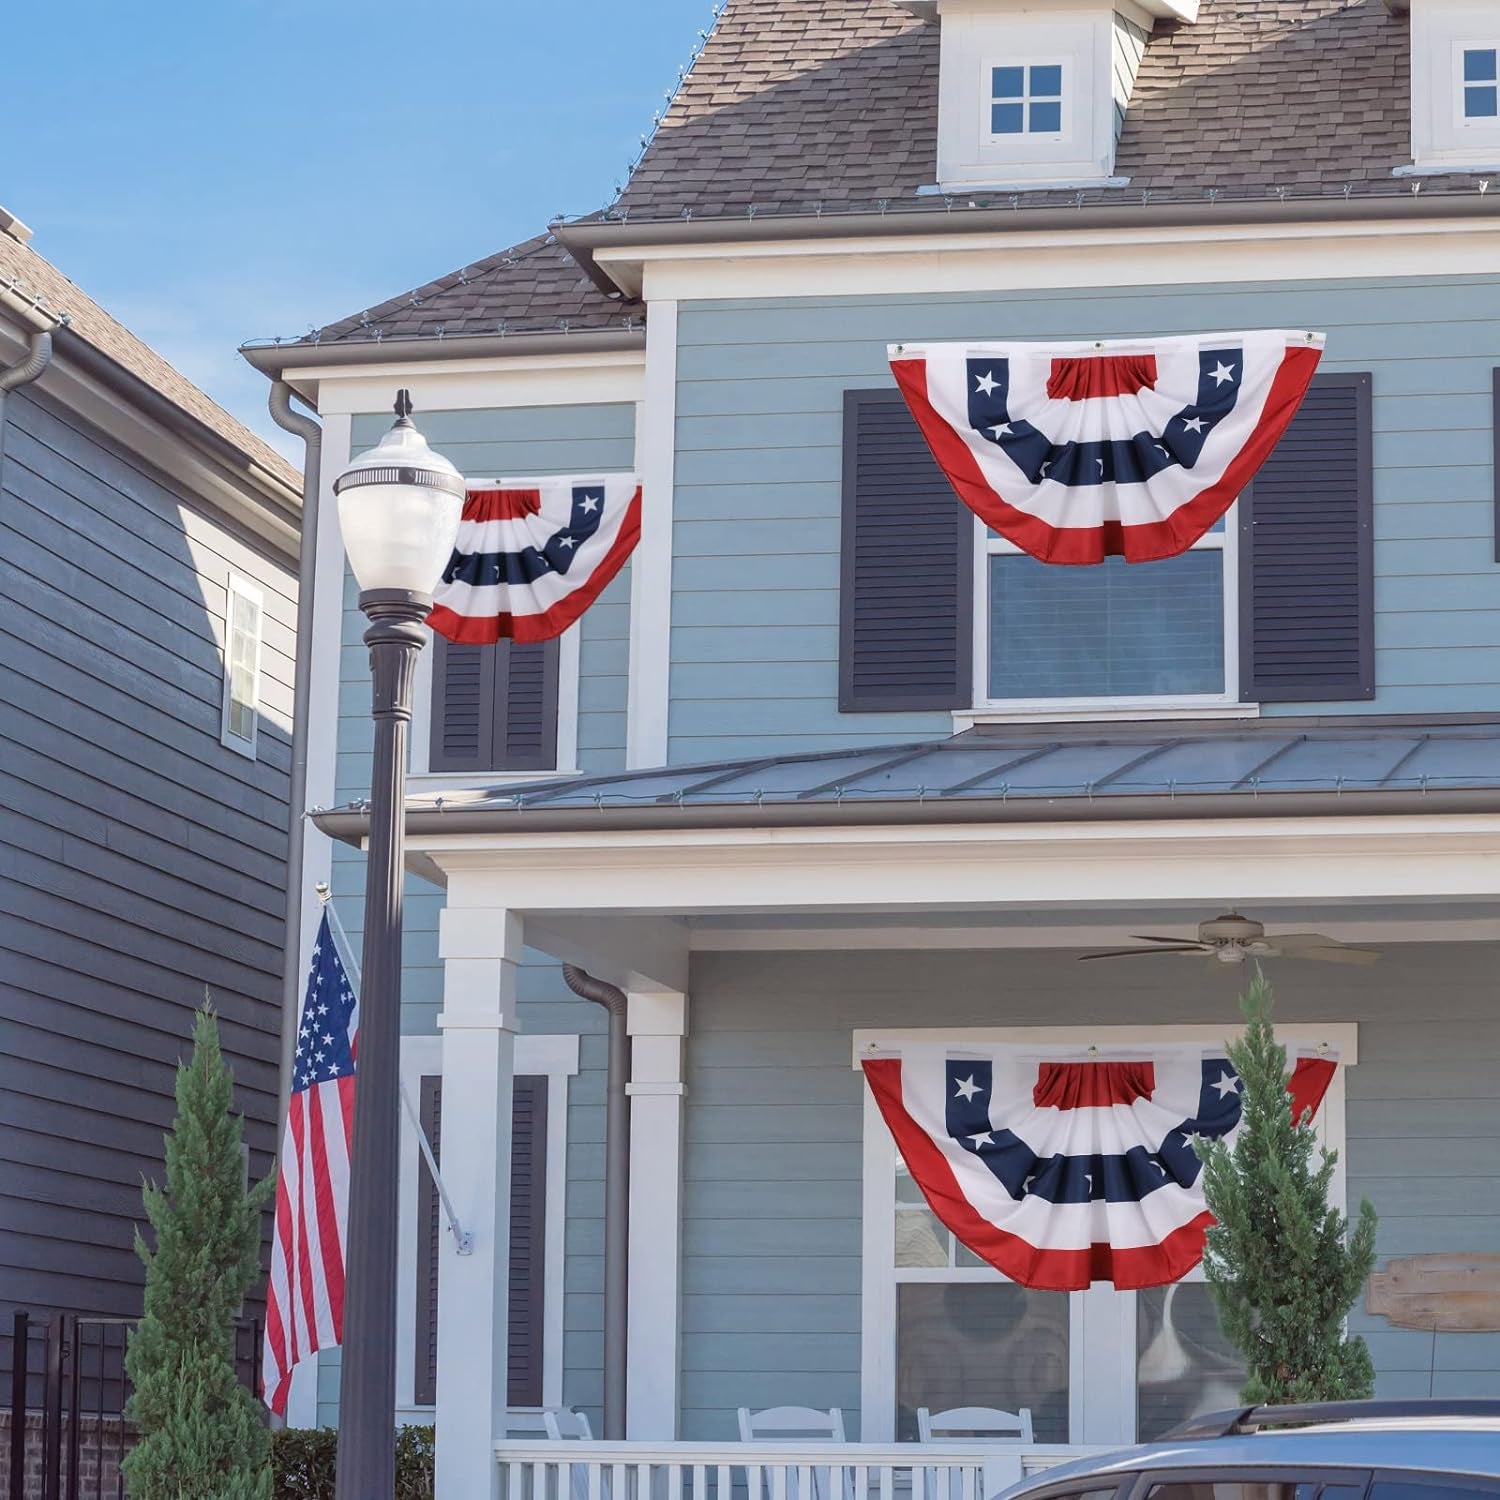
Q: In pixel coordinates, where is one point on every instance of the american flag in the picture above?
(305, 1299)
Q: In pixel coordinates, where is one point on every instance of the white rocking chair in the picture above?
(796, 1424)
(964, 1423)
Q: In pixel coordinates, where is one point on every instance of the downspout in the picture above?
(616, 1194)
(311, 433)
(37, 360)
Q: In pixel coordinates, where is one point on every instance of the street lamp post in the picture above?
(399, 509)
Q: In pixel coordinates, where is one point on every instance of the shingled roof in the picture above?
(799, 105)
(39, 281)
(830, 106)
(533, 287)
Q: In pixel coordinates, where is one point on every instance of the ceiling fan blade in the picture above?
(1290, 942)
(1341, 954)
(1176, 942)
(1145, 952)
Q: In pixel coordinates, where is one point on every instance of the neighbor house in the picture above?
(830, 767)
(147, 623)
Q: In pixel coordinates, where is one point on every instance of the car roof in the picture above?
(1449, 1445)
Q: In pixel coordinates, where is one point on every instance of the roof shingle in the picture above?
(38, 279)
(533, 287)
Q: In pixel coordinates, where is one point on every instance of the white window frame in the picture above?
(242, 588)
(1102, 1390)
(1461, 119)
(554, 1058)
(1226, 704)
(1064, 97)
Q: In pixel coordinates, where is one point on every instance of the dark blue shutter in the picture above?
(494, 708)
(528, 1242)
(1307, 620)
(907, 575)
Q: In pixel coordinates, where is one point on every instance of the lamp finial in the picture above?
(403, 407)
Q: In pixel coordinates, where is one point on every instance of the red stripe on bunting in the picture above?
(1308, 1084)
(1097, 375)
(501, 505)
(1041, 1269)
(1092, 1085)
(485, 630)
(1082, 545)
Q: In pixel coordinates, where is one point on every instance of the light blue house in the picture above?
(830, 768)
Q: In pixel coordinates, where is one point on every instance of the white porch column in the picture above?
(657, 1022)
(481, 950)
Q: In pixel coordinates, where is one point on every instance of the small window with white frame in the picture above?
(244, 616)
(1026, 98)
(1478, 96)
(1119, 636)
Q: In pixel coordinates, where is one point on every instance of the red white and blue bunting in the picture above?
(1081, 451)
(1061, 1167)
(533, 554)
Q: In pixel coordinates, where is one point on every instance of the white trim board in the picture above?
(475, 384)
(1038, 260)
(972, 866)
(554, 1057)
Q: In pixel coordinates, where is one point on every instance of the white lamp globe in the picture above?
(399, 508)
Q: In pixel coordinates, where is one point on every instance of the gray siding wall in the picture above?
(759, 410)
(140, 861)
(772, 1226)
(494, 444)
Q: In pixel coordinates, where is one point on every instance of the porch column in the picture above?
(481, 950)
(657, 1022)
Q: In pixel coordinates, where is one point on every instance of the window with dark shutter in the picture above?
(907, 586)
(494, 708)
(1307, 555)
(528, 1243)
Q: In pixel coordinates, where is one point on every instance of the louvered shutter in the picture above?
(907, 584)
(494, 708)
(528, 1243)
(1307, 555)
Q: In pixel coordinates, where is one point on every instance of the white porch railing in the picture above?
(959, 1470)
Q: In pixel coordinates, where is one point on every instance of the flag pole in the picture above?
(463, 1240)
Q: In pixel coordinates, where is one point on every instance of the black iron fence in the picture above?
(65, 1425)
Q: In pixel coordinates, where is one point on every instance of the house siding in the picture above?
(496, 444)
(142, 863)
(772, 1230)
(760, 390)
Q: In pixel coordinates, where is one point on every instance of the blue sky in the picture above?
(212, 172)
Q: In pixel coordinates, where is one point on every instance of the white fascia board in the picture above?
(916, 869)
(1057, 259)
(473, 384)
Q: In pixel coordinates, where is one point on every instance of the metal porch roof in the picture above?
(1031, 772)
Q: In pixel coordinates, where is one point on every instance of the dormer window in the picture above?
(1026, 99)
(1481, 84)
(1455, 88)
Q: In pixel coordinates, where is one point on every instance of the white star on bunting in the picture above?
(967, 1088)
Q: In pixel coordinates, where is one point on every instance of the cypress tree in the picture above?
(202, 1433)
(1283, 1266)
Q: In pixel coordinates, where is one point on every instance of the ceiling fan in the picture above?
(1231, 939)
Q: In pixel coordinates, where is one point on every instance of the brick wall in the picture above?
(101, 1444)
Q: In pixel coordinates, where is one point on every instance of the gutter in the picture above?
(351, 825)
(311, 433)
(586, 236)
(273, 359)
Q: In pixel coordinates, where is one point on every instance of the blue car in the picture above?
(1353, 1450)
